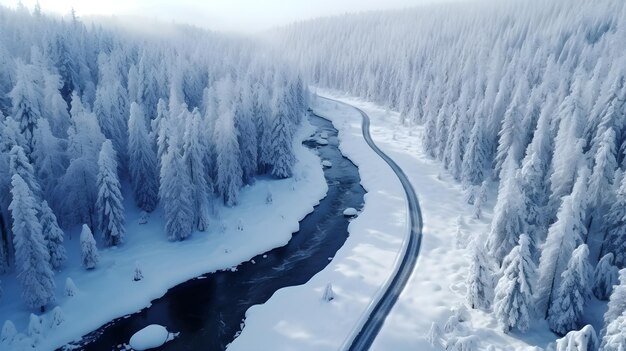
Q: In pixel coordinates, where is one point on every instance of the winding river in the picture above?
(209, 310)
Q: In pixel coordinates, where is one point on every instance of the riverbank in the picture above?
(236, 235)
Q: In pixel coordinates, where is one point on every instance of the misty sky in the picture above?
(229, 15)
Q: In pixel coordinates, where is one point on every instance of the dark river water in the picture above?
(209, 310)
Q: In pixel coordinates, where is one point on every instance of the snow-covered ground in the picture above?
(296, 318)
(109, 291)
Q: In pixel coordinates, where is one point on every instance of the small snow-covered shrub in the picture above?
(462, 343)
(56, 317)
(585, 339)
(143, 217)
(435, 335)
(329, 294)
(8, 333)
(138, 273)
(35, 327)
(70, 287)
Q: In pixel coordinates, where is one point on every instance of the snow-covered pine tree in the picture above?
(476, 160)
(480, 278)
(513, 301)
(229, 172)
(615, 335)
(193, 158)
(19, 164)
(283, 158)
(27, 98)
(111, 104)
(617, 301)
(479, 200)
(568, 151)
(262, 117)
(55, 110)
(109, 205)
(584, 339)
(31, 255)
(53, 236)
(89, 251)
(160, 130)
(511, 143)
(563, 237)
(615, 222)
(49, 157)
(600, 182)
(175, 193)
(77, 191)
(509, 214)
(246, 133)
(605, 277)
(533, 175)
(142, 160)
(566, 309)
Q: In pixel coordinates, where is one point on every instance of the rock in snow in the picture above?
(327, 164)
(321, 141)
(350, 212)
(150, 337)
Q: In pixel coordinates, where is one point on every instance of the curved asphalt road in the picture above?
(363, 338)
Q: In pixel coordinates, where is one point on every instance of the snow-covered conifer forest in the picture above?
(529, 96)
(522, 103)
(182, 121)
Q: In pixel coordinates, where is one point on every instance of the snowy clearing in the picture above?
(223, 246)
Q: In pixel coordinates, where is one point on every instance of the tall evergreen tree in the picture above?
(53, 236)
(509, 217)
(31, 255)
(513, 302)
(229, 172)
(27, 98)
(142, 161)
(193, 158)
(566, 310)
(109, 206)
(479, 280)
(564, 236)
(615, 222)
(605, 276)
(600, 182)
(283, 158)
(175, 194)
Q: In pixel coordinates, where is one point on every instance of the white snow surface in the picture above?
(109, 291)
(295, 318)
(150, 337)
(350, 211)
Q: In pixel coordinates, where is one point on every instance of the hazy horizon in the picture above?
(246, 16)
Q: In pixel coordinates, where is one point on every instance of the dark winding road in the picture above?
(364, 336)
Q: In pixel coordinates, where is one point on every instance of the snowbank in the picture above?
(165, 264)
(350, 212)
(150, 337)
